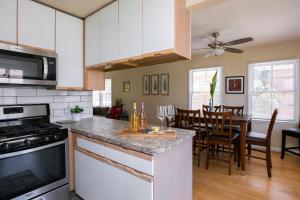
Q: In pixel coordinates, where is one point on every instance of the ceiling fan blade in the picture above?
(201, 48)
(233, 50)
(239, 41)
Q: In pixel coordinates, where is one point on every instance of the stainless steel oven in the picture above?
(33, 172)
(27, 66)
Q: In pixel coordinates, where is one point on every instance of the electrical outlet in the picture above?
(67, 112)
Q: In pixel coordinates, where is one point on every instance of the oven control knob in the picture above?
(46, 138)
(5, 146)
(27, 142)
(56, 137)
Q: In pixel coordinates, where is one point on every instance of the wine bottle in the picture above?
(142, 118)
(134, 119)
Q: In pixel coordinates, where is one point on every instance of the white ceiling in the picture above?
(266, 21)
(79, 8)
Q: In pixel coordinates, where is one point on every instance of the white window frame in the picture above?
(100, 94)
(296, 88)
(221, 79)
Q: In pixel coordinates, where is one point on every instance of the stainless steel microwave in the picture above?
(27, 66)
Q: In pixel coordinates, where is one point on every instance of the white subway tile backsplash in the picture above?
(66, 99)
(86, 98)
(22, 100)
(74, 93)
(8, 100)
(54, 106)
(45, 92)
(58, 113)
(81, 104)
(88, 111)
(60, 101)
(11, 92)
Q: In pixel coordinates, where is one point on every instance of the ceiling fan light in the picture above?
(218, 52)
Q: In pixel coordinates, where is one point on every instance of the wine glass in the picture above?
(161, 115)
(170, 114)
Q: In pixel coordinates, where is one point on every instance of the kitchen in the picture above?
(55, 57)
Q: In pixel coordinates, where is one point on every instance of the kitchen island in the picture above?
(110, 167)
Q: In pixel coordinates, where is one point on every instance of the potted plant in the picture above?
(76, 113)
(213, 85)
(119, 102)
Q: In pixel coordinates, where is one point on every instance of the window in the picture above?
(103, 98)
(199, 87)
(274, 85)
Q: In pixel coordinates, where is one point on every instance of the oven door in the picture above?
(29, 173)
(28, 69)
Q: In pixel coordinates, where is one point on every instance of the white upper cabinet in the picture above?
(158, 25)
(92, 39)
(8, 20)
(69, 48)
(109, 33)
(130, 28)
(36, 25)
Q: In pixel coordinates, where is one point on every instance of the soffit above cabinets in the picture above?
(78, 8)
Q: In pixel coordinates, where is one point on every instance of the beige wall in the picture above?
(233, 64)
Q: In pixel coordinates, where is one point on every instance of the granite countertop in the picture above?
(106, 130)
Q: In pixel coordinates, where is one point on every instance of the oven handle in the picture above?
(45, 61)
(32, 150)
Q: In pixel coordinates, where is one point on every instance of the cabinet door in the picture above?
(89, 177)
(130, 28)
(36, 25)
(136, 188)
(8, 20)
(92, 39)
(109, 33)
(69, 48)
(158, 25)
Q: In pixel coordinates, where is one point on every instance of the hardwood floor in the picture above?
(215, 183)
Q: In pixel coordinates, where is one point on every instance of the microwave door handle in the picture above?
(45, 74)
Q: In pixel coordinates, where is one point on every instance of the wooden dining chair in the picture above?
(217, 135)
(216, 108)
(237, 110)
(190, 119)
(261, 139)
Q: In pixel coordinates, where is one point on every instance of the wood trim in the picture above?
(196, 5)
(36, 48)
(71, 162)
(70, 88)
(9, 43)
(116, 165)
(94, 79)
(182, 32)
(121, 149)
(158, 53)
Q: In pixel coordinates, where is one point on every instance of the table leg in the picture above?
(242, 147)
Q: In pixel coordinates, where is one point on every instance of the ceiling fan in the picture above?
(218, 47)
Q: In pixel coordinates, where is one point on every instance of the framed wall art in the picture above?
(155, 84)
(234, 85)
(146, 85)
(164, 84)
(126, 86)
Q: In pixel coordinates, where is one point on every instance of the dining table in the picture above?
(244, 122)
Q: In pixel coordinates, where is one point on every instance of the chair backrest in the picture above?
(271, 125)
(188, 119)
(216, 108)
(215, 123)
(238, 110)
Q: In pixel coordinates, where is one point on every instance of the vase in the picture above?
(211, 105)
(76, 117)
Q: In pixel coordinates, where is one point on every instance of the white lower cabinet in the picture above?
(99, 180)
(89, 177)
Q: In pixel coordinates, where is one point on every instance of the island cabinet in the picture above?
(69, 48)
(136, 33)
(8, 21)
(36, 25)
(107, 171)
